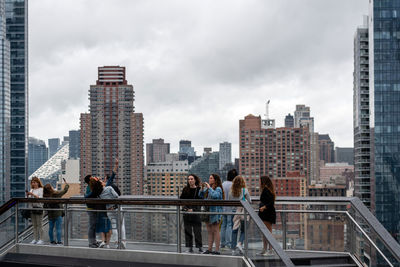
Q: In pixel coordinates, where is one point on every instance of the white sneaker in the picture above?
(102, 244)
(107, 246)
(40, 242)
(239, 247)
(34, 241)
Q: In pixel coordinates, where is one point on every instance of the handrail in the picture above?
(382, 234)
(380, 231)
(267, 234)
(8, 205)
(368, 238)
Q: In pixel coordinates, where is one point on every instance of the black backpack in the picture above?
(116, 189)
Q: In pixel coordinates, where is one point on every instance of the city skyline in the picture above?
(174, 70)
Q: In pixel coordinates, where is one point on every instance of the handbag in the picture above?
(205, 217)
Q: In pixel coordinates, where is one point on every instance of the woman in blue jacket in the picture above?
(213, 190)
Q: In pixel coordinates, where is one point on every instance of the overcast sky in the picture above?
(197, 67)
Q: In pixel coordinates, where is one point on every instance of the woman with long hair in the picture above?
(192, 222)
(55, 216)
(213, 190)
(103, 223)
(36, 215)
(267, 211)
(238, 192)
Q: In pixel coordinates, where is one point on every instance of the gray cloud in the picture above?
(197, 66)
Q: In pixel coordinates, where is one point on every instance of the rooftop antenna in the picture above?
(267, 110)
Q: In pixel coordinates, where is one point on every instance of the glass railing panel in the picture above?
(258, 249)
(367, 247)
(7, 227)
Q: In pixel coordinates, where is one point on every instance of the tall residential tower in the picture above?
(112, 130)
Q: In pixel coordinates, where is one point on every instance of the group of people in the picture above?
(105, 221)
(54, 211)
(223, 229)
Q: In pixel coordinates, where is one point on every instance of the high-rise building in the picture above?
(384, 121)
(302, 118)
(361, 114)
(289, 121)
(74, 144)
(326, 148)
(186, 151)
(344, 154)
(302, 115)
(17, 34)
(112, 130)
(185, 146)
(225, 154)
(5, 108)
(156, 151)
(54, 146)
(270, 151)
(37, 154)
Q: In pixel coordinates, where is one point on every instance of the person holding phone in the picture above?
(55, 216)
(213, 190)
(36, 214)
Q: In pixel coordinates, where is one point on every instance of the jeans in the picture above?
(92, 227)
(55, 222)
(114, 224)
(235, 234)
(226, 230)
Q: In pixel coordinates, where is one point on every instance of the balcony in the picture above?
(310, 231)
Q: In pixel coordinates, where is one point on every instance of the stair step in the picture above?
(22, 259)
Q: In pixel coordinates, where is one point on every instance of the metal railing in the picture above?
(359, 219)
(145, 202)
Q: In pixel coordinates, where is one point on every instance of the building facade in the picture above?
(74, 144)
(289, 121)
(206, 165)
(225, 154)
(37, 154)
(54, 145)
(166, 178)
(112, 130)
(17, 34)
(361, 114)
(156, 151)
(5, 108)
(384, 85)
(270, 151)
(326, 148)
(344, 154)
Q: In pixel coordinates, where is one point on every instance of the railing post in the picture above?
(119, 225)
(178, 237)
(16, 223)
(283, 218)
(66, 222)
(246, 241)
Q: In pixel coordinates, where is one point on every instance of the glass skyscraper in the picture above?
(5, 102)
(37, 154)
(17, 34)
(384, 59)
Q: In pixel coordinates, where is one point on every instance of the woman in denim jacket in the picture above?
(213, 190)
